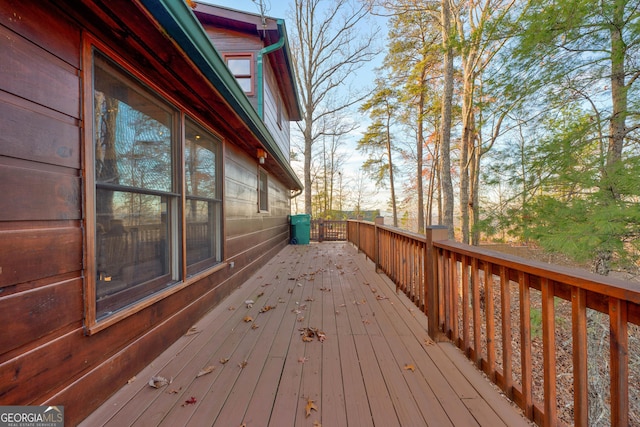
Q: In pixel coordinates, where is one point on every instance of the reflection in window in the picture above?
(203, 204)
(134, 181)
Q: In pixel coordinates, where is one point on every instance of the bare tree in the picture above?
(331, 45)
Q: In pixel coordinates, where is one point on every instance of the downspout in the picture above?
(261, 53)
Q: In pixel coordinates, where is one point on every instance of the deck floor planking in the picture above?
(356, 377)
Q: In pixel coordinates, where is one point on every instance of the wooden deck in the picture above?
(375, 365)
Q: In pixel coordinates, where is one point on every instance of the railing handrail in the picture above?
(604, 285)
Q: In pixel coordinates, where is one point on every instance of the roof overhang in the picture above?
(178, 21)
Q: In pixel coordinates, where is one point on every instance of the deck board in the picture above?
(356, 377)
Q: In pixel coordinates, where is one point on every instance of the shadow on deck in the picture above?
(372, 362)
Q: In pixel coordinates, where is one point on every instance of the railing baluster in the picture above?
(580, 382)
(507, 351)
(466, 316)
(525, 344)
(619, 353)
(454, 297)
(489, 313)
(549, 352)
(477, 325)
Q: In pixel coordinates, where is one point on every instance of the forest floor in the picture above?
(598, 346)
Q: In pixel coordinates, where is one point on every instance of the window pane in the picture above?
(263, 191)
(200, 162)
(132, 132)
(203, 232)
(239, 66)
(132, 247)
(245, 83)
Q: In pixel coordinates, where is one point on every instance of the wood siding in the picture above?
(229, 41)
(45, 355)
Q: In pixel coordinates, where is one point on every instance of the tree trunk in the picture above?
(394, 206)
(419, 155)
(445, 140)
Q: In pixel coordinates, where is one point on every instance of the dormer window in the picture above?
(241, 66)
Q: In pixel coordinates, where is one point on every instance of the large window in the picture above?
(145, 241)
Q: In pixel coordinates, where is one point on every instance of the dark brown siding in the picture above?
(45, 355)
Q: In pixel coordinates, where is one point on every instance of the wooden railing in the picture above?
(328, 230)
(476, 297)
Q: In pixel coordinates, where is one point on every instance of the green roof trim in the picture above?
(181, 24)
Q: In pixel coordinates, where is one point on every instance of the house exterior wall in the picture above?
(46, 354)
(233, 42)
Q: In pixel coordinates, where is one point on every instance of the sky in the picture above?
(377, 199)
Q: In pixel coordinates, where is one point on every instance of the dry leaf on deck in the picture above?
(191, 401)
(231, 308)
(192, 331)
(266, 308)
(248, 319)
(224, 360)
(309, 407)
(302, 359)
(409, 367)
(206, 371)
(321, 336)
(254, 326)
(132, 379)
(249, 303)
(243, 364)
(380, 297)
(316, 423)
(158, 382)
(309, 299)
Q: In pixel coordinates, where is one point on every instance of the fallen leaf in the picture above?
(175, 390)
(158, 382)
(192, 331)
(224, 360)
(132, 379)
(260, 294)
(249, 303)
(254, 326)
(231, 308)
(408, 367)
(302, 359)
(248, 319)
(243, 364)
(374, 290)
(266, 308)
(309, 299)
(206, 371)
(289, 291)
(380, 297)
(300, 319)
(316, 423)
(325, 289)
(366, 321)
(191, 401)
(321, 336)
(309, 407)
(427, 341)
(307, 339)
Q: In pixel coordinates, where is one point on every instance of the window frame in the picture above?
(263, 173)
(252, 69)
(177, 253)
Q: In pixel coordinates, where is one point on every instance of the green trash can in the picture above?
(300, 229)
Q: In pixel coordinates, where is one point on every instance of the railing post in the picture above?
(376, 242)
(359, 219)
(433, 233)
(320, 230)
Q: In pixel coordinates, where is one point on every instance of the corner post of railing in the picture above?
(376, 242)
(320, 230)
(433, 234)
